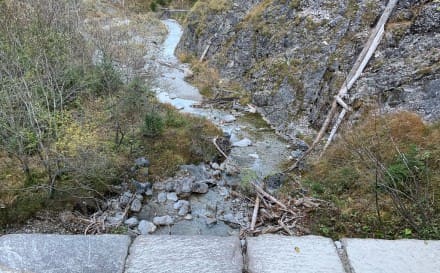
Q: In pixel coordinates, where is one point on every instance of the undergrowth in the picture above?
(382, 178)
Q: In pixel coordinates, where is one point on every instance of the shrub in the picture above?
(153, 124)
(383, 177)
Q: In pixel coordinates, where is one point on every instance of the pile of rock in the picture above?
(197, 200)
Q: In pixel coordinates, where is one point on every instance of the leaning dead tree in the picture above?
(356, 71)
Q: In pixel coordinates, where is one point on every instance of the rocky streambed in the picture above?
(202, 199)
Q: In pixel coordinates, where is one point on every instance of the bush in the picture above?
(383, 177)
(153, 124)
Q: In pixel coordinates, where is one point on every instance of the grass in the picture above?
(185, 139)
(382, 178)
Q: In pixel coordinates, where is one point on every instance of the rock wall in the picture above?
(293, 56)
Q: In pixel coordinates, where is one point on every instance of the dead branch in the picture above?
(214, 141)
(268, 196)
(356, 71)
(255, 213)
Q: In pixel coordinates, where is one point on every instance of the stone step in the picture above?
(399, 256)
(39, 253)
(185, 254)
(285, 254)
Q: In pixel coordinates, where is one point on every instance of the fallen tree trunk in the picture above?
(358, 67)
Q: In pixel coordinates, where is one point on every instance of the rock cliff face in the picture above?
(292, 56)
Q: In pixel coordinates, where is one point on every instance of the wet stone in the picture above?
(242, 143)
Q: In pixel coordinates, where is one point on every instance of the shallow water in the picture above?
(267, 151)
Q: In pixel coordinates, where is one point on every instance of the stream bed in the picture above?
(257, 147)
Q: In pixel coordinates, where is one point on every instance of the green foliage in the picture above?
(245, 186)
(104, 78)
(183, 139)
(153, 124)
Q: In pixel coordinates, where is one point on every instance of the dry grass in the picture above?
(383, 178)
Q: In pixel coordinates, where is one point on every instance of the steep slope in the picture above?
(291, 57)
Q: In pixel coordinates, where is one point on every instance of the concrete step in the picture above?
(285, 254)
(185, 254)
(399, 256)
(40, 253)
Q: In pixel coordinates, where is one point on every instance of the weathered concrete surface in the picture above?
(40, 253)
(399, 256)
(285, 254)
(185, 254)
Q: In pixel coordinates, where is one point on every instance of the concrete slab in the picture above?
(185, 254)
(398, 256)
(287, 254)
(40, 253)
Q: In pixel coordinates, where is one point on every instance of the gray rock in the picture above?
(284, 254)
(172, 196)
(242, 143)
(296, 153)
(199, 172)
(162, 197)
(229, 218)
(146, 227)
(139, 197)
(185, 254)
(141, 187)
(200, 187)
(125, 198)
(211, 221)
(142, 162)
(131, 222)
(409, 256)
(116, 219)
(215, 166)
(228, 118)
(184, 186)
(169, 186)
(136, 205)
(64, 253)
(149, 192)
(182, 206)
(163, 220)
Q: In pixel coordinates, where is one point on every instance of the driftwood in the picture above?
(268, 196)
(271, 215)
(214, 141)
(358, 67)
(255, 213)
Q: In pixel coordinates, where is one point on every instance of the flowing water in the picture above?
(267, 151)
